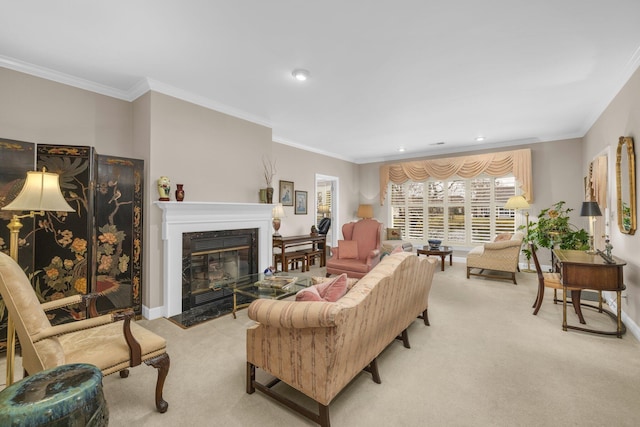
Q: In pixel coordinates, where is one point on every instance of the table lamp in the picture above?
(40, 192)
(324, 210)
(365, 211)
(277, 214)
(592, 210)
(515, 203)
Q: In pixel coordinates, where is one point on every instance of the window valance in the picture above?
(517, 162)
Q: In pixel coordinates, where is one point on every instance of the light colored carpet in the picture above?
(484, 361)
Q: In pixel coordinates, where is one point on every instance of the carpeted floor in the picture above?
(484, 361)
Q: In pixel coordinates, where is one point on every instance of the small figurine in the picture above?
(269, 271)
(314, 230)
(608, 246)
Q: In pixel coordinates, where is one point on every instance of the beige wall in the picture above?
(41, 111)
(621, 118)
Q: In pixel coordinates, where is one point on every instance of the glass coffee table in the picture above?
(254, 286)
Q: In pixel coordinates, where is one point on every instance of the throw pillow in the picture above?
(503, 236)
(321, 279)
(347, 249)
(309, 294)
(334, 289)
(393, 234)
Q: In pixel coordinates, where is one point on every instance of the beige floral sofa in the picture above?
(319, 347)
(502, 254)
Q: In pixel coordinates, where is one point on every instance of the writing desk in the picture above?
(579, 269)
(317, 242)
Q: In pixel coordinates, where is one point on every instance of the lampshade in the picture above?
(323, 209)
(517, 202)
(365, 211)
(590, 209)
(278, 211)
(41, 192)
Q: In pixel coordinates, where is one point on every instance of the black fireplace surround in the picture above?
(210, 259)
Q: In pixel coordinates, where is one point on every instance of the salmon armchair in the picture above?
(111, 342)
(362, 255)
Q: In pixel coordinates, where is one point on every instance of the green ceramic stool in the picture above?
(69, 395)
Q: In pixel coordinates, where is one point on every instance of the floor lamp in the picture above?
(515, 203)
(40, 193)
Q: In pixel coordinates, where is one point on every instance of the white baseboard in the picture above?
(152, 313)
(610, 299)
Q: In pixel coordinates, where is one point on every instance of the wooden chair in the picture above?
(553, 281)
(111, 342)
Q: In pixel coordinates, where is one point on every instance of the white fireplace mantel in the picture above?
(189, 217)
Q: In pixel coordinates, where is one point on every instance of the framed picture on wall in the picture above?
(301, 203)
(286, 193)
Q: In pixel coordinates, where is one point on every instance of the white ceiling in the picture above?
(384, 74)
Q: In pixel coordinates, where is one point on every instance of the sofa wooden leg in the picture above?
(373, 370)
(251, 377)
(468, 269)
(513, 276)
(425, 317)
(161, 363)
(323, 415)
(405, 339)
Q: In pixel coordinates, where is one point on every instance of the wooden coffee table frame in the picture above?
(442, 252)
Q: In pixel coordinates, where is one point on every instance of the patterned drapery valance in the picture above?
(517, 162)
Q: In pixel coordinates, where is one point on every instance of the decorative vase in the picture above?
(263, 195)
(269, 194)
(179, 193)
(164, 188)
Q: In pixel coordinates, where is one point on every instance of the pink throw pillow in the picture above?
(334, 289)
(347, 249)
(308, 294)
(397, 250)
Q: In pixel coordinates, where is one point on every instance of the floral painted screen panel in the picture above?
(118, 228)
(16, 158)
(63, 252)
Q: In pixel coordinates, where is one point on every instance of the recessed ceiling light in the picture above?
(480, 138)
(437, 143)
(300, 74)
(401, 149)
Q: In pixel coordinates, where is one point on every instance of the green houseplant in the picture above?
(553, 230)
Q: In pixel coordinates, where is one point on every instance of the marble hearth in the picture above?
(189, 217)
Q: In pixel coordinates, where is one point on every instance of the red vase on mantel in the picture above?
(179, 193)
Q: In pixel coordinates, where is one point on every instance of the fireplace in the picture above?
(212, 259)
(179, 218)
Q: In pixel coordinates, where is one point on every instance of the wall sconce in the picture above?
(277, 213)
(592, 210)
(40, 192)
(365, 211)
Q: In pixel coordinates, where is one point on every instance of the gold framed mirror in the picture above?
(626, 185)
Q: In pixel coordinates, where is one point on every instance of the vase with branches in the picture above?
(269, 170)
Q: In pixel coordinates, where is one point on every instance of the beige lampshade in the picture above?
(278, 211)
(41, 192)
(516, 202)
(323, 209)
(365, 211)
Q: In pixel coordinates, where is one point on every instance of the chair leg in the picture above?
(251, 377)
(372, 368)
(161, 363)
(539, 299)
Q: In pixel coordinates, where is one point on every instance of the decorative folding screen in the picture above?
(96, 248)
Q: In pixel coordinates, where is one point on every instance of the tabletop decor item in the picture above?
(179, 192)
(269, 172)
(164, 188)
(434, 243)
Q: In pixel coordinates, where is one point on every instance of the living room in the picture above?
(219, 158)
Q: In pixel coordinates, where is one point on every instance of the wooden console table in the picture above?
(287, 242)
(579, 269)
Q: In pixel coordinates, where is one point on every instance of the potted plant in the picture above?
(553, 230)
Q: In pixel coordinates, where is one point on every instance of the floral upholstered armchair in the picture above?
(501, 255)
(359, 252)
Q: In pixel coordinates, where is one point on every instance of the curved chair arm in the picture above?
(373, 257)
(89, 302)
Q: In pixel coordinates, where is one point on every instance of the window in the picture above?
(456, 211)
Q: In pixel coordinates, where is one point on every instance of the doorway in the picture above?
(326, 204)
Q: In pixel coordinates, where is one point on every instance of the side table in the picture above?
(442, 252)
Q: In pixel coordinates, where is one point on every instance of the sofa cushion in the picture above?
(321, 279)
(347, 249)
(309, 294)
(330, 290)
(503, 236)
